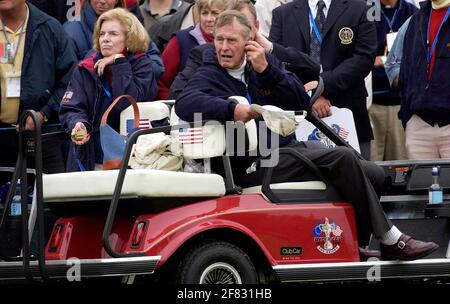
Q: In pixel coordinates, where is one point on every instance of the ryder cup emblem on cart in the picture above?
(327, 237)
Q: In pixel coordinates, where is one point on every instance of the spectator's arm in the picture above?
(74, 30)
(394, 59)
(65, 65)
(171, 60)
(155, 56)
(192, 64)
(74, 107)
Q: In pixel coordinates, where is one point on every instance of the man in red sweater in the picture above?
(425, 90)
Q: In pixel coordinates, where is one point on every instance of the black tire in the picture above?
(217, 263)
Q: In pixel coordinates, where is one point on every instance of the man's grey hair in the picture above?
(228, 16)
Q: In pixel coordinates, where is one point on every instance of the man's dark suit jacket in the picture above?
(295, 61)
(345, 60)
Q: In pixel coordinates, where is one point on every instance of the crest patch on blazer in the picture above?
(346, 35)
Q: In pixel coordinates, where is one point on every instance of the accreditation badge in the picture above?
(346, 35)
(13, 84)
(390, 38)
(4, 53)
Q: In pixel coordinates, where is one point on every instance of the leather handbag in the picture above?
(113, 144)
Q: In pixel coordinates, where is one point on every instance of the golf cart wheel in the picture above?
(217, 263)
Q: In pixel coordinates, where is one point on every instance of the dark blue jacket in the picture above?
(81, 31)
(47, 65)
(131, 75)
(186, 42)
(430, 100)
(81, 34)
(208, 90)
(382, 92)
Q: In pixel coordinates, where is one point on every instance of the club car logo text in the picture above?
(327, 237)
(291, 251)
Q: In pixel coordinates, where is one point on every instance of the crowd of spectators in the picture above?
(334, 39)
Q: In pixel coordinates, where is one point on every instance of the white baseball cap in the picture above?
(278, 120)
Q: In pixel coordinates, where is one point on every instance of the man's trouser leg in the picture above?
(345, 172)
(421, 139)
(389, 136)
(8, 153)
(395, 141)
(52, 158)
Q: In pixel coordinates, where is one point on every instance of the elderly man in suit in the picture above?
(340, 36)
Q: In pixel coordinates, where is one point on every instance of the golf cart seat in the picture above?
(145, 183)
(314, 190)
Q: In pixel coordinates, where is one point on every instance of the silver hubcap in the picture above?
(220, 273)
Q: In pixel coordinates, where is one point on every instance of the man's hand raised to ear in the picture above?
(256, 56)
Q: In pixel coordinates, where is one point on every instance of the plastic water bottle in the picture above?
(435, 193)
(16, 207)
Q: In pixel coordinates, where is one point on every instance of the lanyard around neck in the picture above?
(391, 22)
(12, 52)
(435, 40)
(315, 28)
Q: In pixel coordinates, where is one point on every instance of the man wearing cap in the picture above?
(238, 65)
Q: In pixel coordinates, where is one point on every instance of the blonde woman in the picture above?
(119, 66)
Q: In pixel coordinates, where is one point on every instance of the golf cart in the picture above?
(202, 228)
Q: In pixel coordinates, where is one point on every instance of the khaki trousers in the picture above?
(388, 133)
(426, 142)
